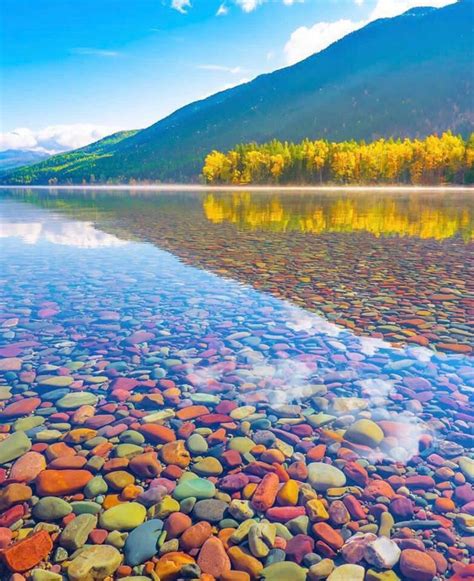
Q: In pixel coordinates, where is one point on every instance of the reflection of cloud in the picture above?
(78, 234)
(34, 225)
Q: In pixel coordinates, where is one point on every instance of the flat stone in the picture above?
(93, 563)
(123, 517)
(50, 508)
(323, 476)
(141, 543)
(14, 446)
(77, 531)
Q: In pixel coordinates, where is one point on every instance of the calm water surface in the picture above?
(87, 273)
(120, 310)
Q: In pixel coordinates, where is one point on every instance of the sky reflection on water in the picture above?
(74, 293)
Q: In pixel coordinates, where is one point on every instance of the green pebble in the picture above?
(132, 437)
(25, 424)
(242, 444)
(196, 444)
(95, 486)
(284, 571)
(56, 380)
(14, 446)
(85, 507)
(51, 508)
(128, 450)
(72, 401)
(197, 487)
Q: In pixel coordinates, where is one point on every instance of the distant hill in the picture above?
(72, 166)
(11, 158)
(404, 76)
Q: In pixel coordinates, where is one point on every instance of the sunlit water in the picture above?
(73, 293)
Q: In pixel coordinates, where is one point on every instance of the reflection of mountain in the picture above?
(400, 288)
(383, 216)
(32, 225)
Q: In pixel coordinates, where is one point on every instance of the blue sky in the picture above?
(75, 70)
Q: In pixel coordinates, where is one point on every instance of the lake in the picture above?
(319, 340)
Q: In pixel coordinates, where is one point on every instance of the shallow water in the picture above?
(262, 300)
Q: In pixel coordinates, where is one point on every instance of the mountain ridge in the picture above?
(404, 76)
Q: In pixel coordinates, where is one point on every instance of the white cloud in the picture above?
(54, 138)
(305, 41)
(221, 68)
(222, 10)
(249, 5)
(181, 5)
(87, 51)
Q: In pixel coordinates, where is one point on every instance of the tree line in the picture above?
(445, 159)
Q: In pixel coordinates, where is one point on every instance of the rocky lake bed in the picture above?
(297, 408)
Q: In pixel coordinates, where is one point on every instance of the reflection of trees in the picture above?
(389, 217)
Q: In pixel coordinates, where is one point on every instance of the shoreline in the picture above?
(237, 188)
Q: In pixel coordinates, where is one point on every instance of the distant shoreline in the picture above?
(239, 188)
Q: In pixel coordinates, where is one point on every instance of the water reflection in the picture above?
(396, 266)
(32, 226)
(138, 312)
(382, 216)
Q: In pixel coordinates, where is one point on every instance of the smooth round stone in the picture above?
(95, 486)
(322, 476)
(196, 444)
(242, 444)
(127, 450)
(75, 400)
(194, 488)
(48, 436)
(123, 517)
(211, 510)
(56, 380)
(208, 467)
(95, 562)
(364, 432)
(27, 467)
(14, 446)
(284, 571)
(85, 507)
(132, 437)
(51, 508)
(141, 543)
(25, 424)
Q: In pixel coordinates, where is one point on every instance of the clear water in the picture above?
(79, 289)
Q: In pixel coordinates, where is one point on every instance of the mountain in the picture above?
(404, 76)
(12, 158)
(72, 166)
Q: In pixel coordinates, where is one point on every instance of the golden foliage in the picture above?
(433, 160)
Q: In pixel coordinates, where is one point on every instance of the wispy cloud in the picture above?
(305, 41)
(181, 5)
(88, 51)
(222, 10)
(54, 138)
(221, 68)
